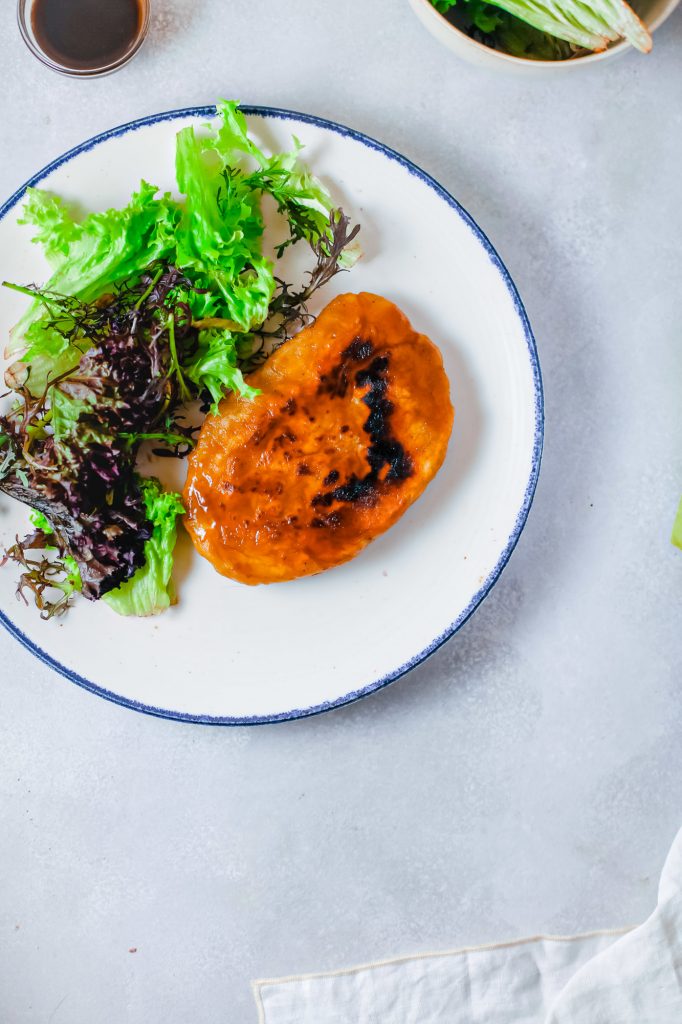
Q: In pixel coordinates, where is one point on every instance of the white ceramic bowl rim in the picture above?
(509, 58)
(487, 585)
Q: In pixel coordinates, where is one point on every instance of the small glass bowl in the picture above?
(25, 19)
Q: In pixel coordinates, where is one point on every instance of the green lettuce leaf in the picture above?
(231, 140)
(219, 239)
(56, 228)
(299, 195)
(213, 367)
(151, 590)
(40, 521)
(214, 237)
(677, 528)
(66, 412)
(91, 256)
(219, 236)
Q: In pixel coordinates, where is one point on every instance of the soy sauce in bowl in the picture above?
(84, 37)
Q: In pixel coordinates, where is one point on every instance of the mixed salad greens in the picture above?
(149, 309)
(556, 30)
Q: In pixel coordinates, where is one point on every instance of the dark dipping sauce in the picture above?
(86, 34)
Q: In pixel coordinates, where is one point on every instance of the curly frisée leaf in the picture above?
(151, 590)
(219, 236)
(92, 255)
(300, 197)
(56, 228)
(214, 367)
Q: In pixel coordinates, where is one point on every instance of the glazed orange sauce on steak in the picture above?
(353, 421)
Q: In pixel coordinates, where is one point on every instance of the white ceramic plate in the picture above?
(231, 654)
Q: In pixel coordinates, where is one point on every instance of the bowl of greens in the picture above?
(533, 36)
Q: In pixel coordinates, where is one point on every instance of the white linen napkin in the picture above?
(625, 977)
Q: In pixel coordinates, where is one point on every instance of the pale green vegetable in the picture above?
(586, 24)
(677, 528)
(150, 590)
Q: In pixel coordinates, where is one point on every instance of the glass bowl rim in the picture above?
(24, 8)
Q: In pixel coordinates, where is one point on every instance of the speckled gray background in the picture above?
(529, 777)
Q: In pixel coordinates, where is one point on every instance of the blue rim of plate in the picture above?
(489, 583)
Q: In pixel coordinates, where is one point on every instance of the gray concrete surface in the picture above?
(528, 778)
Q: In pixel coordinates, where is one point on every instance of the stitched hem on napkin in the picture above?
(259, 984)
